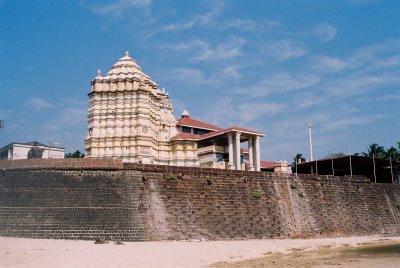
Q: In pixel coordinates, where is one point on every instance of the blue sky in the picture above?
(267, 65)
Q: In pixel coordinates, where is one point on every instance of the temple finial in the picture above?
(126, 53)
(98, 72)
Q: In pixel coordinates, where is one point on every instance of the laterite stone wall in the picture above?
(144, 202)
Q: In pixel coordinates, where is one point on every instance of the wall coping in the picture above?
(62, 163)
(117, 164)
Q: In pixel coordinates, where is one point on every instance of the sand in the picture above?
(383, 254)
(21, 252)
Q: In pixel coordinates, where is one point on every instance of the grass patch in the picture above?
(256, 194)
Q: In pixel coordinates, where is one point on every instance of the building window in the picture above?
(219, 157)
(200, 131)
(186, 129)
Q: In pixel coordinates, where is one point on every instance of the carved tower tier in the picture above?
(129, 117)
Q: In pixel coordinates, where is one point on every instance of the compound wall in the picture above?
(145, 202)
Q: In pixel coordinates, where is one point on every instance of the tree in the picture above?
(392, 153)
(76, 154)
(297, 159)
(35, 152)
(334, 155)
(375, 150)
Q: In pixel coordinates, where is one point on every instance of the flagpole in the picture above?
(310, 141)
(391, 169)
(373, 160)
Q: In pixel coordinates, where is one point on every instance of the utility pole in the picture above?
(310, 140)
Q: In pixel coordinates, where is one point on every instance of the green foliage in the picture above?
(170, 176)
(76, 154)
(379, 151)
(392, 153)
(398, 205)
(375, 150)
(334, 155)
(256, 194)
(297, 159)
(35, 152)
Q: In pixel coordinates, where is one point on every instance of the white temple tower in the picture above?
(129, 117)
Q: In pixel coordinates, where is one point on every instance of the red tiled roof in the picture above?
(215, 131)
(212, 134)
(223, 131)
(185, 136)
(267, 164)
(190, 122)
(244, 130)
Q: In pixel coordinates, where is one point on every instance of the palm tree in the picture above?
(392, 153)
(375, 150)
(334, 155)
(297, 159)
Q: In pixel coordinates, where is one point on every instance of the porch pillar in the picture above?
(237, 148)
(251, 158)
(257, 165)
(230, 151)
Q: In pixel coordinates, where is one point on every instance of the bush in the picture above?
(256, 194)
(170, 176)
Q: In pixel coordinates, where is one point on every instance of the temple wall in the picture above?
(77, 200)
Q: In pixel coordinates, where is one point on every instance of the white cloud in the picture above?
(361, 2)
(241, 24)
(360, 84)
(327, 64)
(286, 49)
(350, 121)
(322, 32)
(280, 82)
(116, 8)
(389, 97)
(325, 32)
(203, 51)
(185, 75)
(253, 110)
(229, 72)
(249, 25)
(227, 50)
(226, 112)
(38, 104)
(196, 77)
(201, 20)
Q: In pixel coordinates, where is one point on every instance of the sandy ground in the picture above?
(383, 254)
(21, 252)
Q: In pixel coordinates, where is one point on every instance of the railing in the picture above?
(211, 149)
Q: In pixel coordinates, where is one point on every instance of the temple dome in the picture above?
(126, 67)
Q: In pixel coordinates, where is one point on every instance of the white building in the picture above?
(131, 118)
(21, 151)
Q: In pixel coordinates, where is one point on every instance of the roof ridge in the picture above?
(206, 125)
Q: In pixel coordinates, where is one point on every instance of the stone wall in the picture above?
(145, 202)
(63, 163)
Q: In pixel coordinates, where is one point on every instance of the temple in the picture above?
(131, 118)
